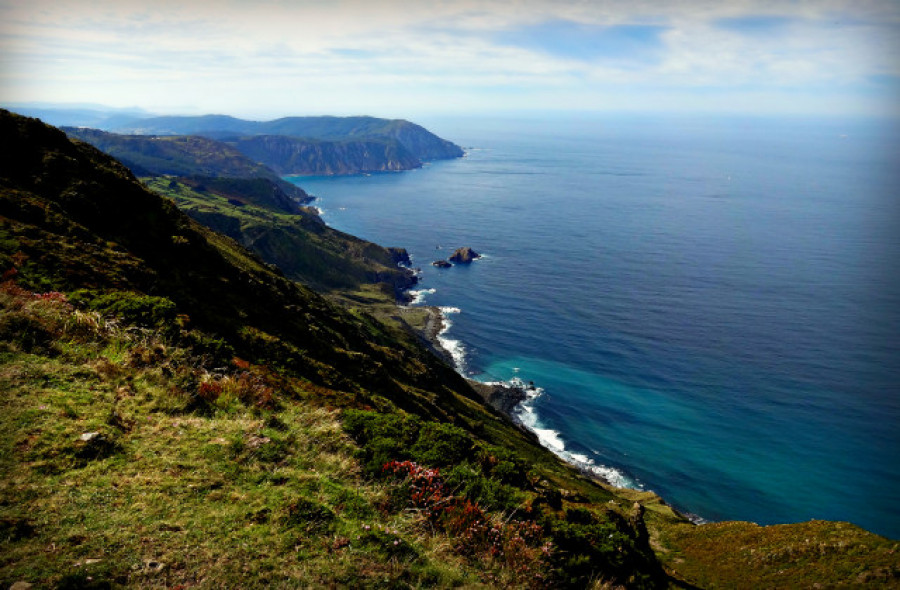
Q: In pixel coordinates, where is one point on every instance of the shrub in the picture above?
(384, 437)
(487, 492)
(24, 330)
(131, 307)
(441, 444)
(588, 549)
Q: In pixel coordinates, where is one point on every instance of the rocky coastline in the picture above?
(502, 397)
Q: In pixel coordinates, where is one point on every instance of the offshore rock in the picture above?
(464, 255)
(441, 264)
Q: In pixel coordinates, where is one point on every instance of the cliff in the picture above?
(290, 155)
(177, 412)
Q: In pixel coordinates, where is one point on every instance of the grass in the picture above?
(807, 554)
(208, 499)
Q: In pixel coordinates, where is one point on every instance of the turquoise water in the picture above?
(709, 307)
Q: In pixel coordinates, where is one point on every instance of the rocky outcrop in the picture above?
(503, 397)
(400, 256)
(441, 264)
(464, 255)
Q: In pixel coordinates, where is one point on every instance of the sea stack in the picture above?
(464, 255)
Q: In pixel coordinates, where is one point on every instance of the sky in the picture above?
(271, 58)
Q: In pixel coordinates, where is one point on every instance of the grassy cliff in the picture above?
(298, 243)
(177, 413)
(204, 161)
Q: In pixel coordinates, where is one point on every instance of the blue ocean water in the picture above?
(711, 308)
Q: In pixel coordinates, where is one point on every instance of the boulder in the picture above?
(464, 255)
(441, 264)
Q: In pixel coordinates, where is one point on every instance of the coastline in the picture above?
(507, 397)
(504, 397)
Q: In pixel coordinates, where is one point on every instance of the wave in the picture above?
(418, 295)
(525, 413)
(454, 347)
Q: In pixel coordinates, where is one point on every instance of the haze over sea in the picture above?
(710, 307)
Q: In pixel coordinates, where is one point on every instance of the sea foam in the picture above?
(454, 347)
(526, 414)
(418, 295)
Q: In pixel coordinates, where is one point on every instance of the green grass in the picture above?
(236, 495)
(746, 555)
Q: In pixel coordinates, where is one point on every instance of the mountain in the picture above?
(174, 412)
(213, 326)
(205, 160)
(406, 141)
(416, 139)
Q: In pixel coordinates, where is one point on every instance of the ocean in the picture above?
(710, 308)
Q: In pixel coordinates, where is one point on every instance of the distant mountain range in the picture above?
(198, 158)
(416, 139)
(313, 145)
(321, 145)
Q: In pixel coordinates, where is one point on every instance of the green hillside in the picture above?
(299, 244)
(175, 413)
(224, 191)
(205, 161)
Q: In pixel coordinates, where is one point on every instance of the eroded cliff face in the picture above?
(290, 155)
(424, 144)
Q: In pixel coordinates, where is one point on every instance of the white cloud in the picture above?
(280, 57)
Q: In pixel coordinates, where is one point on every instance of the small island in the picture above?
(464, 255)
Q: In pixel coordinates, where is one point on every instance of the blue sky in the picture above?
(396, 58)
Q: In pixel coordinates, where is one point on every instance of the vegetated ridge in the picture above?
(248, 202)
(314, 145)
(202, 160)
(175, 412)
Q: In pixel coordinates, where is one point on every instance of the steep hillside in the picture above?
(76, 223)
(207, 161)
(291, 155)
(299, 244)
(175, 413)
(254, 210)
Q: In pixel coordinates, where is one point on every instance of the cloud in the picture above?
(368, 55)
(572, 40)
(756, 25)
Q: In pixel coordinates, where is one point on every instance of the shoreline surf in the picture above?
(515, 399)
